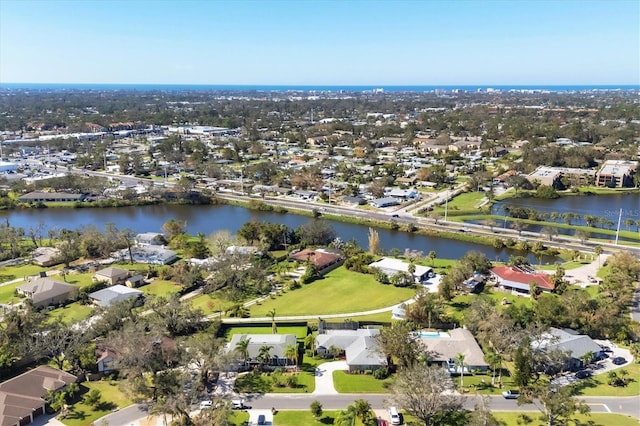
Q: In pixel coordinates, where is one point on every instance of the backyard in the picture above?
(340, 291)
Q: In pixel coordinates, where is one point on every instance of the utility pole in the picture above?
(618, 229)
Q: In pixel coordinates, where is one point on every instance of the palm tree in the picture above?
(432, 255)
(272, 315)
(495, 360)
(362, 409)
(598, 250)
(264, 354)
(291, 353)
(242, 347)
(309, 340)
(459, 363)
(629, 223)
(347, 417)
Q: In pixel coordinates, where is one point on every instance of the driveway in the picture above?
(324, 377)
(580, 275)
(253, 417)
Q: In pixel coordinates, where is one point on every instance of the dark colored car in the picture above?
(511, 394)
(619, 360)
(262, 420)
(583, 374)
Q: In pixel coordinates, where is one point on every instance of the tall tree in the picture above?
(425, 392)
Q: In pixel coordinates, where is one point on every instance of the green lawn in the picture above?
(300, 332)
(82, 415)
(8, 273)
(383, 317)
(7, 293)
(340, 291)
(304, 418)
(481, 383)
(209, 303)
(256, 382)
(358, 383)
(80, 280)
(531, 418)
(597, 385)
(71, 313)
(159, 288)
(465, 203)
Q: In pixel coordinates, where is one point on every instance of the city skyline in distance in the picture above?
(321, 43)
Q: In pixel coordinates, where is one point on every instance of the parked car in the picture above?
(592, 279)
(206, 404)
(583, 374)
(511, 394)
(619, 360)
(262, 420)
(238, 404)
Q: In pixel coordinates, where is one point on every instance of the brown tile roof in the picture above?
(319, 259)
(20, 395)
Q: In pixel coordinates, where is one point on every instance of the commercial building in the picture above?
(616, 173)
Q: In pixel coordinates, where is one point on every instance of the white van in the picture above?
(395, 417)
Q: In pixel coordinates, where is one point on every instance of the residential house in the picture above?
(323, 259)
(474, 284)
(151, 254)
(353, 201)
(360, 347)
(277, 342)
(134, 281)
(443, 348)
(385, 202)
(111, 275)
(150, 239)
(46, 291)
(616, 173)
(573, 344)
(114, 294)
(39, 196)
(45, 256)
(22, 397)
(105, 359)
(392, 266)
(519, 281)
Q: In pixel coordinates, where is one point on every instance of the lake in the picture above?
(606, 206)
(209, 219)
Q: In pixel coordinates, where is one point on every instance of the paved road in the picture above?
(260, 403)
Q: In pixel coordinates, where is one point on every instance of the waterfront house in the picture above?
(150, 239)
(323, 259)
(518, 281)
(39, 196)
(392, 267)
(45, 256)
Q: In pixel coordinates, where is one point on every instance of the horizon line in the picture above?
(324, 84)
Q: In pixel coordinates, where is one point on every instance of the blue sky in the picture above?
(321, 42)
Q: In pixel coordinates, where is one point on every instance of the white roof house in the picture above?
(114, 294)
(391, 266)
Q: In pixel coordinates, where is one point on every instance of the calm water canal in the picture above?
(605, 206)
(209, 219)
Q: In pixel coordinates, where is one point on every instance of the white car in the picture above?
(206, 404)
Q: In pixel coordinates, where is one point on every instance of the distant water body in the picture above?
(304, 88)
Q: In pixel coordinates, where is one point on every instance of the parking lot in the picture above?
(599, 367)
